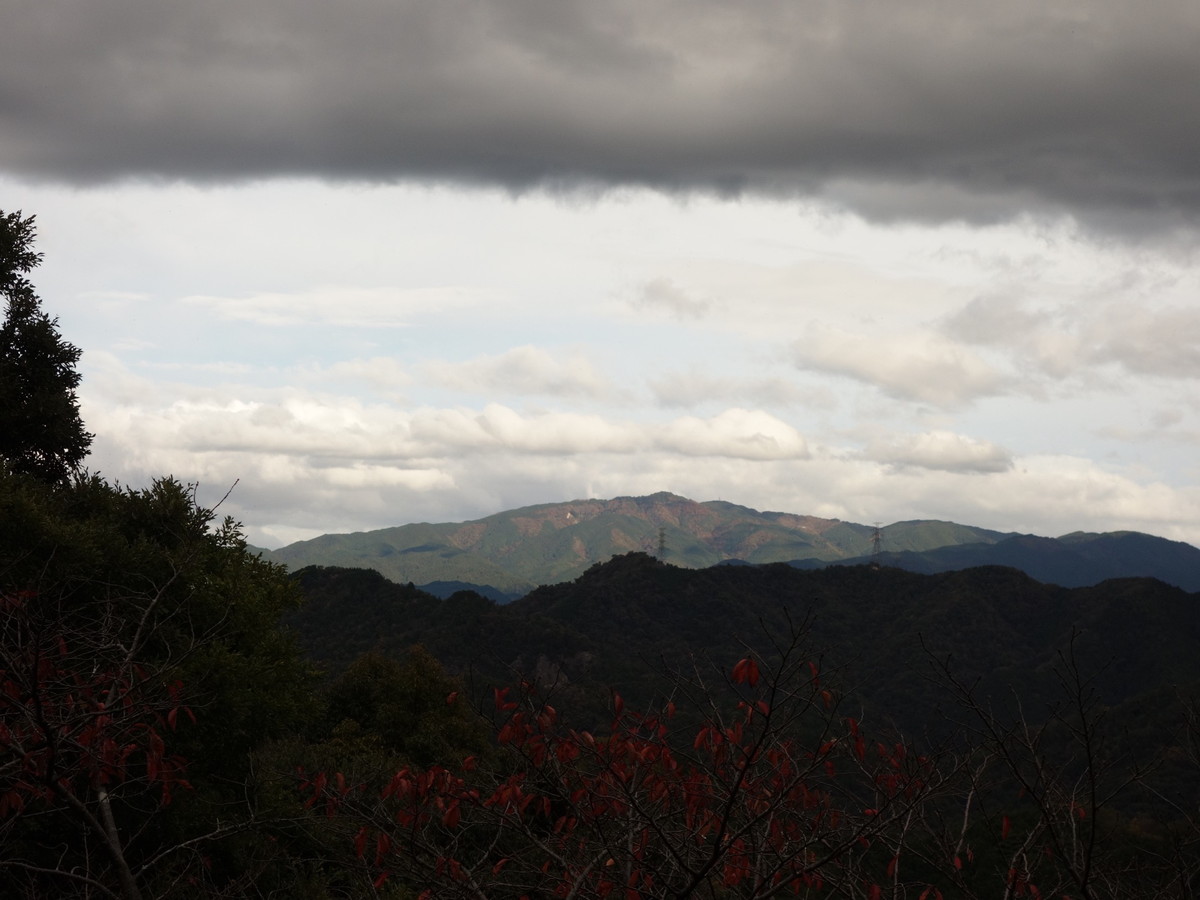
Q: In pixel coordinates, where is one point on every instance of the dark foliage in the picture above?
(142, 665)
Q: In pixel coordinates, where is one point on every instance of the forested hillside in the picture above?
(625, 622)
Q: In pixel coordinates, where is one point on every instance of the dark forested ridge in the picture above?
(508, 554)
(623, 621)
(891, 646)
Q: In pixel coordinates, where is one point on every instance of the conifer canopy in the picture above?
(41, 432)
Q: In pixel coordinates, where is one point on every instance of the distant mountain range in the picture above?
(1079, 559)
(508, 554)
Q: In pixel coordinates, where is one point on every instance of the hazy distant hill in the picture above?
(517, 550)
(1073, 560)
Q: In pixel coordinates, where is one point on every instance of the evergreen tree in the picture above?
(41, 433)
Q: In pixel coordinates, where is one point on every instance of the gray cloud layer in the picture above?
(925, 109)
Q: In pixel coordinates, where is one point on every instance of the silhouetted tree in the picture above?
(41, 433)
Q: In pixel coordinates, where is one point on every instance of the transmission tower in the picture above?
(876, 545)
(662, 542)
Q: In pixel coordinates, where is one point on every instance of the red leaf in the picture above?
(382, 845)
(746, 672)
(1005, 827)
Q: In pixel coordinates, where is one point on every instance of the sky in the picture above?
(348, 266)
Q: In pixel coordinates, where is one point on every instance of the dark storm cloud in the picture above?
(927, 109)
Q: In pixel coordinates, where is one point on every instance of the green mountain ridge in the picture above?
(517, 550)
(508, 554)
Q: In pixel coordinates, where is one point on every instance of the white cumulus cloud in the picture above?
(942, 450)
(917, 366)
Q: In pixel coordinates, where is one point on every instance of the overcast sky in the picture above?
(384, 261)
